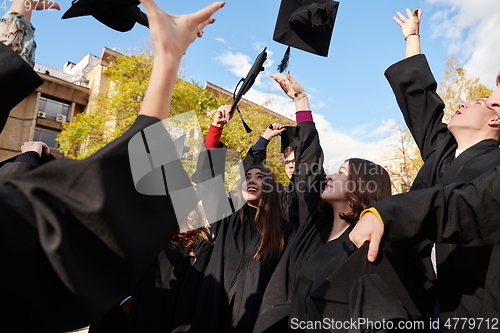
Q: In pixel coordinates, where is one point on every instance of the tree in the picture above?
(458, 86)
(236, 137)
(406, 163)
(112, 111)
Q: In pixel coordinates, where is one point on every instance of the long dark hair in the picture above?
(371, 183)
(269, 219)
(185, 241)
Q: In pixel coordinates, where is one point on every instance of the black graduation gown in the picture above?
(164, 298)
(325, 299)
(13, 167)
(17, 81)
(462, 271)
(75, 236)
(166, 294)
(22, 163)
(327, 258)
(234, 281)
(306, 188)
(460, 213)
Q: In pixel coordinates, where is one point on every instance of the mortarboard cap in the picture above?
(306, 24)
(286, 137)
(248, 82)
(119, 15)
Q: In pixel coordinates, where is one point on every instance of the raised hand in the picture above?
(176, 33)
(409, 25)
(222, 116)
(290, 86)
(170, 35)
(272, 131)
(38, 146)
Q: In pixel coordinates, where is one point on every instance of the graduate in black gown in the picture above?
(247, 247)
(459, 213)
(357, 184)
(454, 278)
(75, 235)
(257, 153)
(302, 272)
(164, 298)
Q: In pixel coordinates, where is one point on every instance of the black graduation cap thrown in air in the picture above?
(306, 25)
(247, 83)
(119, 15)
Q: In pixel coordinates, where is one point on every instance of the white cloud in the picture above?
(222, 40)
(338, 146)
(278, 103)
(471, 30)
(237, 63)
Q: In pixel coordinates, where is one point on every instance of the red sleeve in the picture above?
(305, 115)
(213, 137)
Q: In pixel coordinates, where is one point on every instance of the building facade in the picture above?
(64, 94)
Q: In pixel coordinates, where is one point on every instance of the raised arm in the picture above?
(414, 87)
(297, 93)
(460, 213)
(95, 233)
(25, 7)
(293, 89)
(221, 118)
(308, 173)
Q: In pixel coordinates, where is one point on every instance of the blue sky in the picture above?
(354, 107)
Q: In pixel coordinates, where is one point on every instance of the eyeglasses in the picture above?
(286, 162)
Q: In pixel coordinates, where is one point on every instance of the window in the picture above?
(52, 108)
(46, 135)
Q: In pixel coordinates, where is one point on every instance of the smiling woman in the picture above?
(252, 187)
(248, 245)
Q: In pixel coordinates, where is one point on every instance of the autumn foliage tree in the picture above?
(112, 111)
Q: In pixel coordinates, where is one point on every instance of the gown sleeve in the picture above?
(19, 166)
(309, 175)
(305, 194)
(94, 231)
(17, 80)
(459, 213)
(415, 89)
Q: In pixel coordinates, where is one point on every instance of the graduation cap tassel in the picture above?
(247, 128)
(284, 62)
